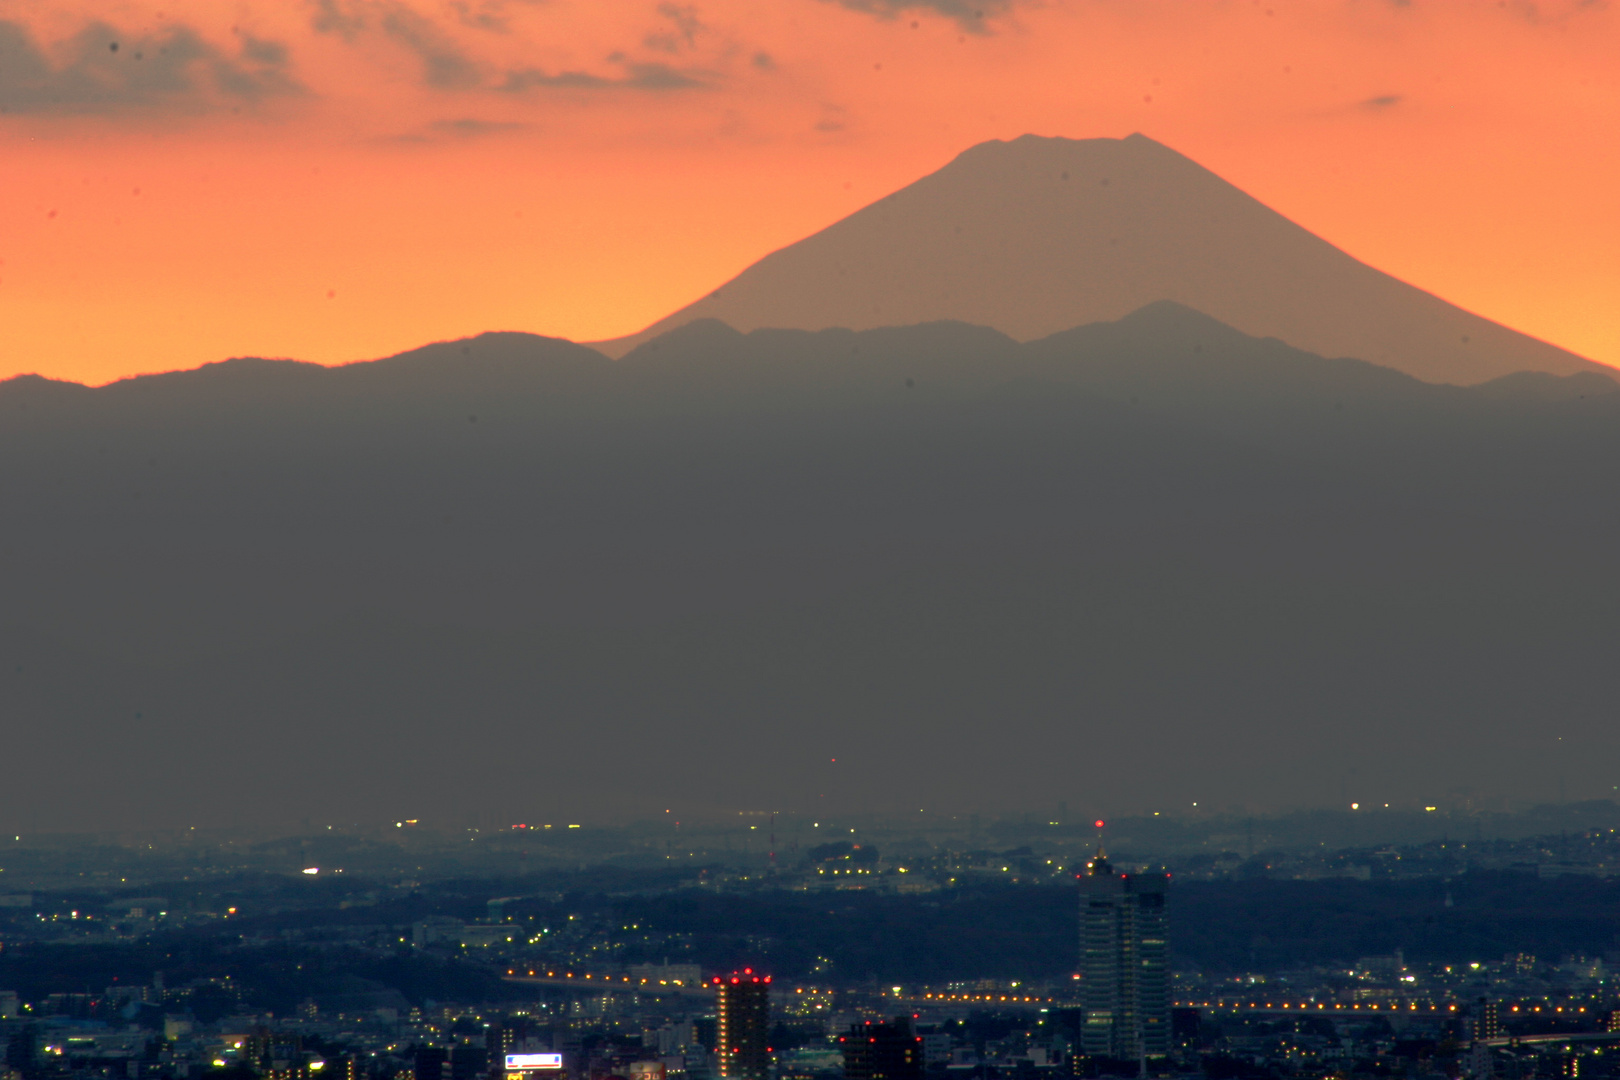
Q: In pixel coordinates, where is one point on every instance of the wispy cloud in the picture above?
(635, 77)
(970, 15)
(491, 15)
(1383, 101)
(468, 127)
(332, 17)
(834, 119)
(445, 66)
(680, 33)
(459, 129)
(102, 70)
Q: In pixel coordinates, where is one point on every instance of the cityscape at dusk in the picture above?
(903, 951)
(809, 540)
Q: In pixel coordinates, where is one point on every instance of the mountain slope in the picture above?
(1038, 235)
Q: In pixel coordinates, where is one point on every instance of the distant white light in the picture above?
(1355, 806)
(525, 1062)
(312, 869)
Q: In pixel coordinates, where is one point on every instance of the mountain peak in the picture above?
(1037, 234)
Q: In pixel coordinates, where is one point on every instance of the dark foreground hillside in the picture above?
(846, 939)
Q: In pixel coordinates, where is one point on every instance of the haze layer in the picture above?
(1132, 566)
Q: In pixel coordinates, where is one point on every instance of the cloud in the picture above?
(460, 128)
(444, 65)
(683, 30)
(487, 14)
(635, 77)
(970, 15)
(333, 18)
(260, 51)
(1383, 101)
(834, 119)
(467, 127)
(101, 70)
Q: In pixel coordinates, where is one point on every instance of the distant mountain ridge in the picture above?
(1037, 235)
(508, 579)
(1108, 353)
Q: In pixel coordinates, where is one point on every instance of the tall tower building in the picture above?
(1124, 963)
(742, 1026)
(882, 1052)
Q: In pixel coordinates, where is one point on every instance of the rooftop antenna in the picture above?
(1099, 862)
(773, 839)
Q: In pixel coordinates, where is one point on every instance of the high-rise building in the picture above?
(1124, 963)
(467, 1062)
(347, 1067)
(743, 1025)
(428, 1063)
(882, 1052)
(505, 1037)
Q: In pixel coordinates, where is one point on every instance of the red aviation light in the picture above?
(767, 978)
(1099, 823)
(735, 980)
(748, 971)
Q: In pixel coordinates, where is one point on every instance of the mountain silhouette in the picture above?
(1038, 235)
(507, 578)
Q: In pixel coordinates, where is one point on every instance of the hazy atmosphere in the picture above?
(1129, 567)
(1026, 471)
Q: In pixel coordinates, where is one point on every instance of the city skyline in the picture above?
(275, 979)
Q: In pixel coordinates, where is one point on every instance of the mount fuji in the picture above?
(1037, 235)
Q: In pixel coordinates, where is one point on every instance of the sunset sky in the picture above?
(333, 180)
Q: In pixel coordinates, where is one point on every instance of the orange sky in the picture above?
(342, 179)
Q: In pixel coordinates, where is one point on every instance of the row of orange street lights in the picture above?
(1306, 1005)
(1320, 1006)
(609, 980)
(532, 974)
